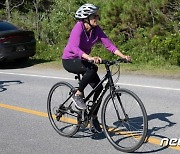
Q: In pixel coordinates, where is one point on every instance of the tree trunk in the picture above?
(8, 11)
(36, 5)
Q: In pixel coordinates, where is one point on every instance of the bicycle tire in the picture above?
(123, 132)
(63, 121)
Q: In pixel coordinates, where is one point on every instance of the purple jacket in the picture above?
(80, 43)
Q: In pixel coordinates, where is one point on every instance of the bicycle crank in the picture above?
(83, 119)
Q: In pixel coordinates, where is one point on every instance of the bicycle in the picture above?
(123, 115)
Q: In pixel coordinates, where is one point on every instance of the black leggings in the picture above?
(89, 72)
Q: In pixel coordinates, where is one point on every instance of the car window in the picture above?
(7, 26)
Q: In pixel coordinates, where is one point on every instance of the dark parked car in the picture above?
(15, 43)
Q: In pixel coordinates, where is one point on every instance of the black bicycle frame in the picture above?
(109, 84)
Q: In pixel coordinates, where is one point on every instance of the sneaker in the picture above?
(79, 102)
(96, 125)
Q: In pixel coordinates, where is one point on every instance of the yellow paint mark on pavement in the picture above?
(73, 121)
(42, 114)
(157, 142)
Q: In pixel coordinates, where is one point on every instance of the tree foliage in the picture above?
(147, 29)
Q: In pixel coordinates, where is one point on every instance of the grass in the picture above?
(159, 71)
(168, 71)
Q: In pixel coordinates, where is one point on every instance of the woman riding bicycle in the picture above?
(75, 58)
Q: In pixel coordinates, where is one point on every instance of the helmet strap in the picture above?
(88, 22)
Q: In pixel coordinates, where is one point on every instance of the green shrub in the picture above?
(48, 52)
(146, 30)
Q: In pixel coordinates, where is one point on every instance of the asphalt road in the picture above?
(25, 127)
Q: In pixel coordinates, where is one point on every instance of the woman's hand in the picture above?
(128, 58)
(96, 60)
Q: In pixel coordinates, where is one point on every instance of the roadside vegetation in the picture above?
(148, 30)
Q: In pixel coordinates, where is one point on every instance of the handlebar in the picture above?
(112, 62)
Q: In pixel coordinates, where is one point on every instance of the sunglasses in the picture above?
(95, 16)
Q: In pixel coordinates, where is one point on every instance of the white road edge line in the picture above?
(62, 78)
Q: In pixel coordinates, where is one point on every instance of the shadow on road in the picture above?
(82, 133)
(5, 84)
(153, 132)
(162, 117)
(21, 64)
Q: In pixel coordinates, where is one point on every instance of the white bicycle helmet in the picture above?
(85, 11)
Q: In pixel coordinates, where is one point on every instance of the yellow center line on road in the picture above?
(151, 140)
(42, 114)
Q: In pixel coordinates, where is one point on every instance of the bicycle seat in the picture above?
(78, 77)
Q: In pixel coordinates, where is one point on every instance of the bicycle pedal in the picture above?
(93, 130)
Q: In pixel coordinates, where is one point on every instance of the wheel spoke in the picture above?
(61, 111)
(126, 130)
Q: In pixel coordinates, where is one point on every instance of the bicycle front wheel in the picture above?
(61, 110)
(124, 120)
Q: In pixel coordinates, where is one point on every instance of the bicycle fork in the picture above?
(116, 107)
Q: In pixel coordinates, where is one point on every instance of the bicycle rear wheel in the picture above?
(124, 120)
(61, 111)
